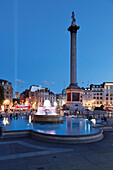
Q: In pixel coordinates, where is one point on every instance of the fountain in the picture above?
(46, 114)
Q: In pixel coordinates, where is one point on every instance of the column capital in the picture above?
(73, 29)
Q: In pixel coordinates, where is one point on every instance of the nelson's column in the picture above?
(73, 91)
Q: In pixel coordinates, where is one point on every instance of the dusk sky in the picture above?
(35, 43)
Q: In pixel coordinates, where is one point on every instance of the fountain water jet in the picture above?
(47, 114)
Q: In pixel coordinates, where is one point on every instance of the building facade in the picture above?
(36, 96)
(24, 96)
(16, 95)
(97, 95)
(61, 98)
(8, 92)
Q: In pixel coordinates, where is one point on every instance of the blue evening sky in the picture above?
(35, 43)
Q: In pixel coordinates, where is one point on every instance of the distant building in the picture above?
(8, 92)
(16, 95)
(108, 93)
(97, 95)
(61, 98)
(36, 96)
(87, 97)
(24, 96)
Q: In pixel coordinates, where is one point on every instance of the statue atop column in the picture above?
(73, 27)
(73, 17)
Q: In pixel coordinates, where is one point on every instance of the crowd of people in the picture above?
(15, 114)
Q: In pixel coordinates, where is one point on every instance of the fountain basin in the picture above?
(72, 130)
(47, 119)
(74, 139)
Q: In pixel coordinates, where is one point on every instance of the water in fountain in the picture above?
(46, 109)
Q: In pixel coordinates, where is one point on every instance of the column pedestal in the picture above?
(74, 99)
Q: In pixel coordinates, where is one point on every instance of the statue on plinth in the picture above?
(73, 17)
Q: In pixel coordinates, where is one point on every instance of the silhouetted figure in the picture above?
(90, 117)
(6, 110)
(105, 119)
(11, 115)
(1, 117)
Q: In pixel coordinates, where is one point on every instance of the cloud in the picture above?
(20, 81)
(47, 83)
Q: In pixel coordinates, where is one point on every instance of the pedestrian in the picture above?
(105, 119)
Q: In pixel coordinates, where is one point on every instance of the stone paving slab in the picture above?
(42, 167)
(15, 149)
(30, 154)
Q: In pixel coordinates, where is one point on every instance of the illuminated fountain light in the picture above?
(29, 118)
(5, 121)
(94, 121)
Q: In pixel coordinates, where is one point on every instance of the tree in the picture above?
(1, 94)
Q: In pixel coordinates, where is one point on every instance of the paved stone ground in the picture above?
(30, 154)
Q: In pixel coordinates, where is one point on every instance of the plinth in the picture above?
(74, 94)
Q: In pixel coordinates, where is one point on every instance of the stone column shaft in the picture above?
(73, 62)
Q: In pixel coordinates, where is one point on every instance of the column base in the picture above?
(74, 99)
(73, 86)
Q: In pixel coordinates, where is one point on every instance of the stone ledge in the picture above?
(54, 138)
